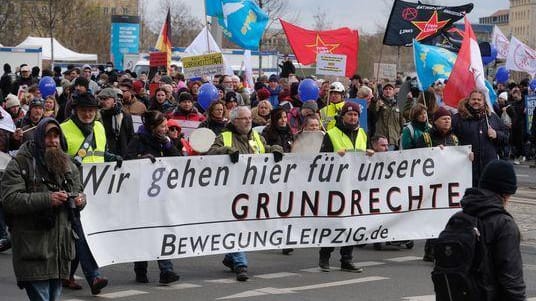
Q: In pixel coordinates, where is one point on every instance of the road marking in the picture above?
(404, 259)
(522, 175)
(291, 290)
(179, 286)
(122, 294)
(529, 267)
(223, 280)
(359, 264)
(276, 275)
(420, 298)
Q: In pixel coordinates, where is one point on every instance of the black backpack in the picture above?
(461, 262)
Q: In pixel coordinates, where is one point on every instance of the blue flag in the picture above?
(243, 22)
(432, 63)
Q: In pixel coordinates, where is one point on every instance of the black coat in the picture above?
(473, 130)
(144, 143)
(276, 136)
(118, 136)
(502, 238)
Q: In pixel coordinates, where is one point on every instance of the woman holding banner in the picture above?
(151, 141)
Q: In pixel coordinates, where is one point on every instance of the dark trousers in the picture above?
(346, 253)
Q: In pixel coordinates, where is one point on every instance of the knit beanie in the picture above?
(499, 176)
(440, 113)
(311, 105)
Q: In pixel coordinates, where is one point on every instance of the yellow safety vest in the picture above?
(328, 113)
(256, 143)
(75, 138)
(341, 141)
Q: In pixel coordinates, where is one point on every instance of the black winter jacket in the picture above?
(119, 130)
(502, 238)
(473, 130)
(144, 143)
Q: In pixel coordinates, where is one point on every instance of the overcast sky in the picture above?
(365, 15)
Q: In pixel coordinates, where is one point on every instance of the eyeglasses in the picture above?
(173, 129)
(244, 118)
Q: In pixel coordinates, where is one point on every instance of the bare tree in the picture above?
(321, 20)
(184, 27)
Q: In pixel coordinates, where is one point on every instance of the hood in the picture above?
(39, 137)
(464, 111)
(481, 202)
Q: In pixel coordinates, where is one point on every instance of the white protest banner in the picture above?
(530, 105)
(521, 57)
(203, 65)
(385, 71)
(193, 206)
(500, 41)
(331, 64)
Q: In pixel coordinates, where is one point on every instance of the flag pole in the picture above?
(206, 26)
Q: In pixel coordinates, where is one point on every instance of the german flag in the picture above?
(163, 44)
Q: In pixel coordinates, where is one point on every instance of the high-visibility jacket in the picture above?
(256, 143)
(328, 113)
(341, 141)
(75, 138)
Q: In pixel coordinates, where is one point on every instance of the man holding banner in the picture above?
(345, 136)
(239, 138)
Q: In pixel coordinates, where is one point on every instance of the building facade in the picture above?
(522, 21)
(499, 18)
(117, 7)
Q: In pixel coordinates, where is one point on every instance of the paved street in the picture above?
(396, 274)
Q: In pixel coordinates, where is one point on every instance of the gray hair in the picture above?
(236, 111)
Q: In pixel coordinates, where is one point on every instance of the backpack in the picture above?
(462, 260)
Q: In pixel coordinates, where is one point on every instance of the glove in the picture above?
(278, 156)
(234, 156)
(150, 157)
(118, 162)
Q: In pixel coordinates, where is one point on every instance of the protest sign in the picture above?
(193, 206)
(203, 65)
(331, 64)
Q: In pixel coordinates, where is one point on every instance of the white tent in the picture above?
(60, 52)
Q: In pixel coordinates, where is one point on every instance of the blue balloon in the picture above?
(493, 55)
(47, 86)
(308, 90)
(206, 95)
(532, 84)
(502, 75)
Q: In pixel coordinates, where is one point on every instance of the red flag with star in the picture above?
(306, 44)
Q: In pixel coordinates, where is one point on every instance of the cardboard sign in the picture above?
(331, 64)
(203, 65)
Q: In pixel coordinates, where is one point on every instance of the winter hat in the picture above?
(388, 85)
(85, 100)
(273, 78)
(172, 123)
(350, 106)
(259, 85)
(311, 105)
(499, 176)
(12, 101)
(137, 86)
(440, 113)
(81, 81)
(185, 96)
(107, 93)
(284, 95)
(37, 102)
(86, 66)
(504, 95)
(166, 79)
(263, 94)
(231, 97)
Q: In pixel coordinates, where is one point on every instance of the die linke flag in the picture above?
(418, 21)
(306, 44)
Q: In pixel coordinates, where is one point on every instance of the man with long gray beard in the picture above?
(41, 195)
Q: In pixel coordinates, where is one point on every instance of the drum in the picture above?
(201, 139)
(308, 142)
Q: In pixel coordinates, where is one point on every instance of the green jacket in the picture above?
(240, 144)
(389, 122)
(412, 133)
(42, 238)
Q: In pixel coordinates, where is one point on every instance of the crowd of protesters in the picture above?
(94, 112)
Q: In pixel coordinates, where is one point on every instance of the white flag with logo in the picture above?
(521, 57)
(500, 41)
(248, 70)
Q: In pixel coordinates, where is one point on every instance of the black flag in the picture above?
(418, 21)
